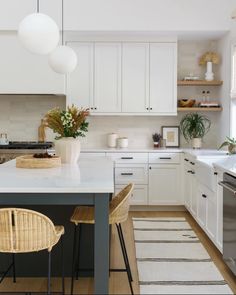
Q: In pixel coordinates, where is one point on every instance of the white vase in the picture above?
(68, 148)
(196, 143)
(209, 76)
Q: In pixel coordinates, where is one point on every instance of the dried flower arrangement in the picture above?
(68, 123)
(209, 57)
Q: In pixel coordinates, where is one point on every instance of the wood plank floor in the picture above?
(118, 281)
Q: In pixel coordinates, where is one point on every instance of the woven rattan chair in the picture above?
(119, 210)
(25, 231)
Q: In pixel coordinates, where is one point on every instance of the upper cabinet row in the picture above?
(125, 78)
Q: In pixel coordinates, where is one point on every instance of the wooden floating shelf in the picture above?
(196, 109)
(200, 83)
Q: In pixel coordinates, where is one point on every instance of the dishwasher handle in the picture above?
(228, 186)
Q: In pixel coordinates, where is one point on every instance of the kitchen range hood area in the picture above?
(117, 147)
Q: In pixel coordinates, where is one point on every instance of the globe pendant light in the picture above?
(39, 33)
(63, 59)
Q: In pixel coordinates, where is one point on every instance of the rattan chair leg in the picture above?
(14, 267)
(124, 257)
(127, 257)
(49, 273)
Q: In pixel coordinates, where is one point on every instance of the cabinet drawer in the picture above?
(134, 173)
(139, 195)
(164, 158)
(123, 158)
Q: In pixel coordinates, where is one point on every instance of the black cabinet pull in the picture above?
(187, 160)
(165, 158)
(192, 172)
(192, 163)
(150, 168)
(189, 171)
(126, 158)
(204, 196)
(215, 173)
(127, 174)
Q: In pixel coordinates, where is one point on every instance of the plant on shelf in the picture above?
(156, 139)
(231, 144)
(68, 125)
(194, 127)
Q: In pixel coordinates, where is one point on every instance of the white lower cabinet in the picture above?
(207, 211)
(139, 195)
(164, 184)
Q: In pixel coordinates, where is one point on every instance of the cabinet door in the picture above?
(163, 78)
(135, 77)
(139, 195)
(193, 195)
(187, 187)
(80, 82)
(107, 95)
(164, 184)
(201, 207)
(219, 235)
(22, 72)
(211, 221)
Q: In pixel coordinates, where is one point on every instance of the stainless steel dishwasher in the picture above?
(229, 221)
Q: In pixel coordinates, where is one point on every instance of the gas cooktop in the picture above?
(31, 145)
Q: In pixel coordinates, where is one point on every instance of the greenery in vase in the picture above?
(68, 123)
(156, 137)
(230, 143)
(194, 125)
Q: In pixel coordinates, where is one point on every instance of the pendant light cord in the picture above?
(62, 22)
(37, 6)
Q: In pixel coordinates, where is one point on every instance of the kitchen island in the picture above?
(90, 182)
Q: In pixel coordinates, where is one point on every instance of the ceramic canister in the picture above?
(123, 142)
(112, 140)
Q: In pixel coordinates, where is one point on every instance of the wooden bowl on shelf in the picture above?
(186, 103)
(30, 162)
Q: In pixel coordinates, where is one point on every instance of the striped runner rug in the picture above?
(172, 260)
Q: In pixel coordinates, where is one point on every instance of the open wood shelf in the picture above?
(197, 109)
(200, 83)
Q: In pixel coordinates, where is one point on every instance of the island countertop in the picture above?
(88, 176)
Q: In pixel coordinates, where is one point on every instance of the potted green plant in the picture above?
(231, 144)
(194, 127)
(156, 139)
(69, 125)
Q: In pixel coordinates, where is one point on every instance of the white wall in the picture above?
(148, 15)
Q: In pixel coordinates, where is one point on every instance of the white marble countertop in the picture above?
(131, 150)
(88, 176)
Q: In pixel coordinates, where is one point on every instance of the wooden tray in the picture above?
(29, 162)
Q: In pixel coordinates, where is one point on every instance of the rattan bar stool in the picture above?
(25, 231)
(119, 210)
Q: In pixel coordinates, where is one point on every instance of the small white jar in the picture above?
(123, 142)
(112, 140)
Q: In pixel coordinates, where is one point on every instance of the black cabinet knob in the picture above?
(147, 109)
(215, 173)
(150, 168)
(204, 196)
(151, 109)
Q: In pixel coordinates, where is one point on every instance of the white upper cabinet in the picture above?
(13, 11)
(80, 82)
(107, 78)
(135, 77)
(163, 78)
(22, 72)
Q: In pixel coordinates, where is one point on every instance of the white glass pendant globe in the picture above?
(63, 60)
(39, 33)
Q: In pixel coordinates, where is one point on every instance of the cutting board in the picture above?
(29, 162)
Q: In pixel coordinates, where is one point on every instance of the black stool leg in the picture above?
(74, 259)
(14, 268)
(127, 258)
(78, 253)
(49, 273)
(62, 266)
(126, 263)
